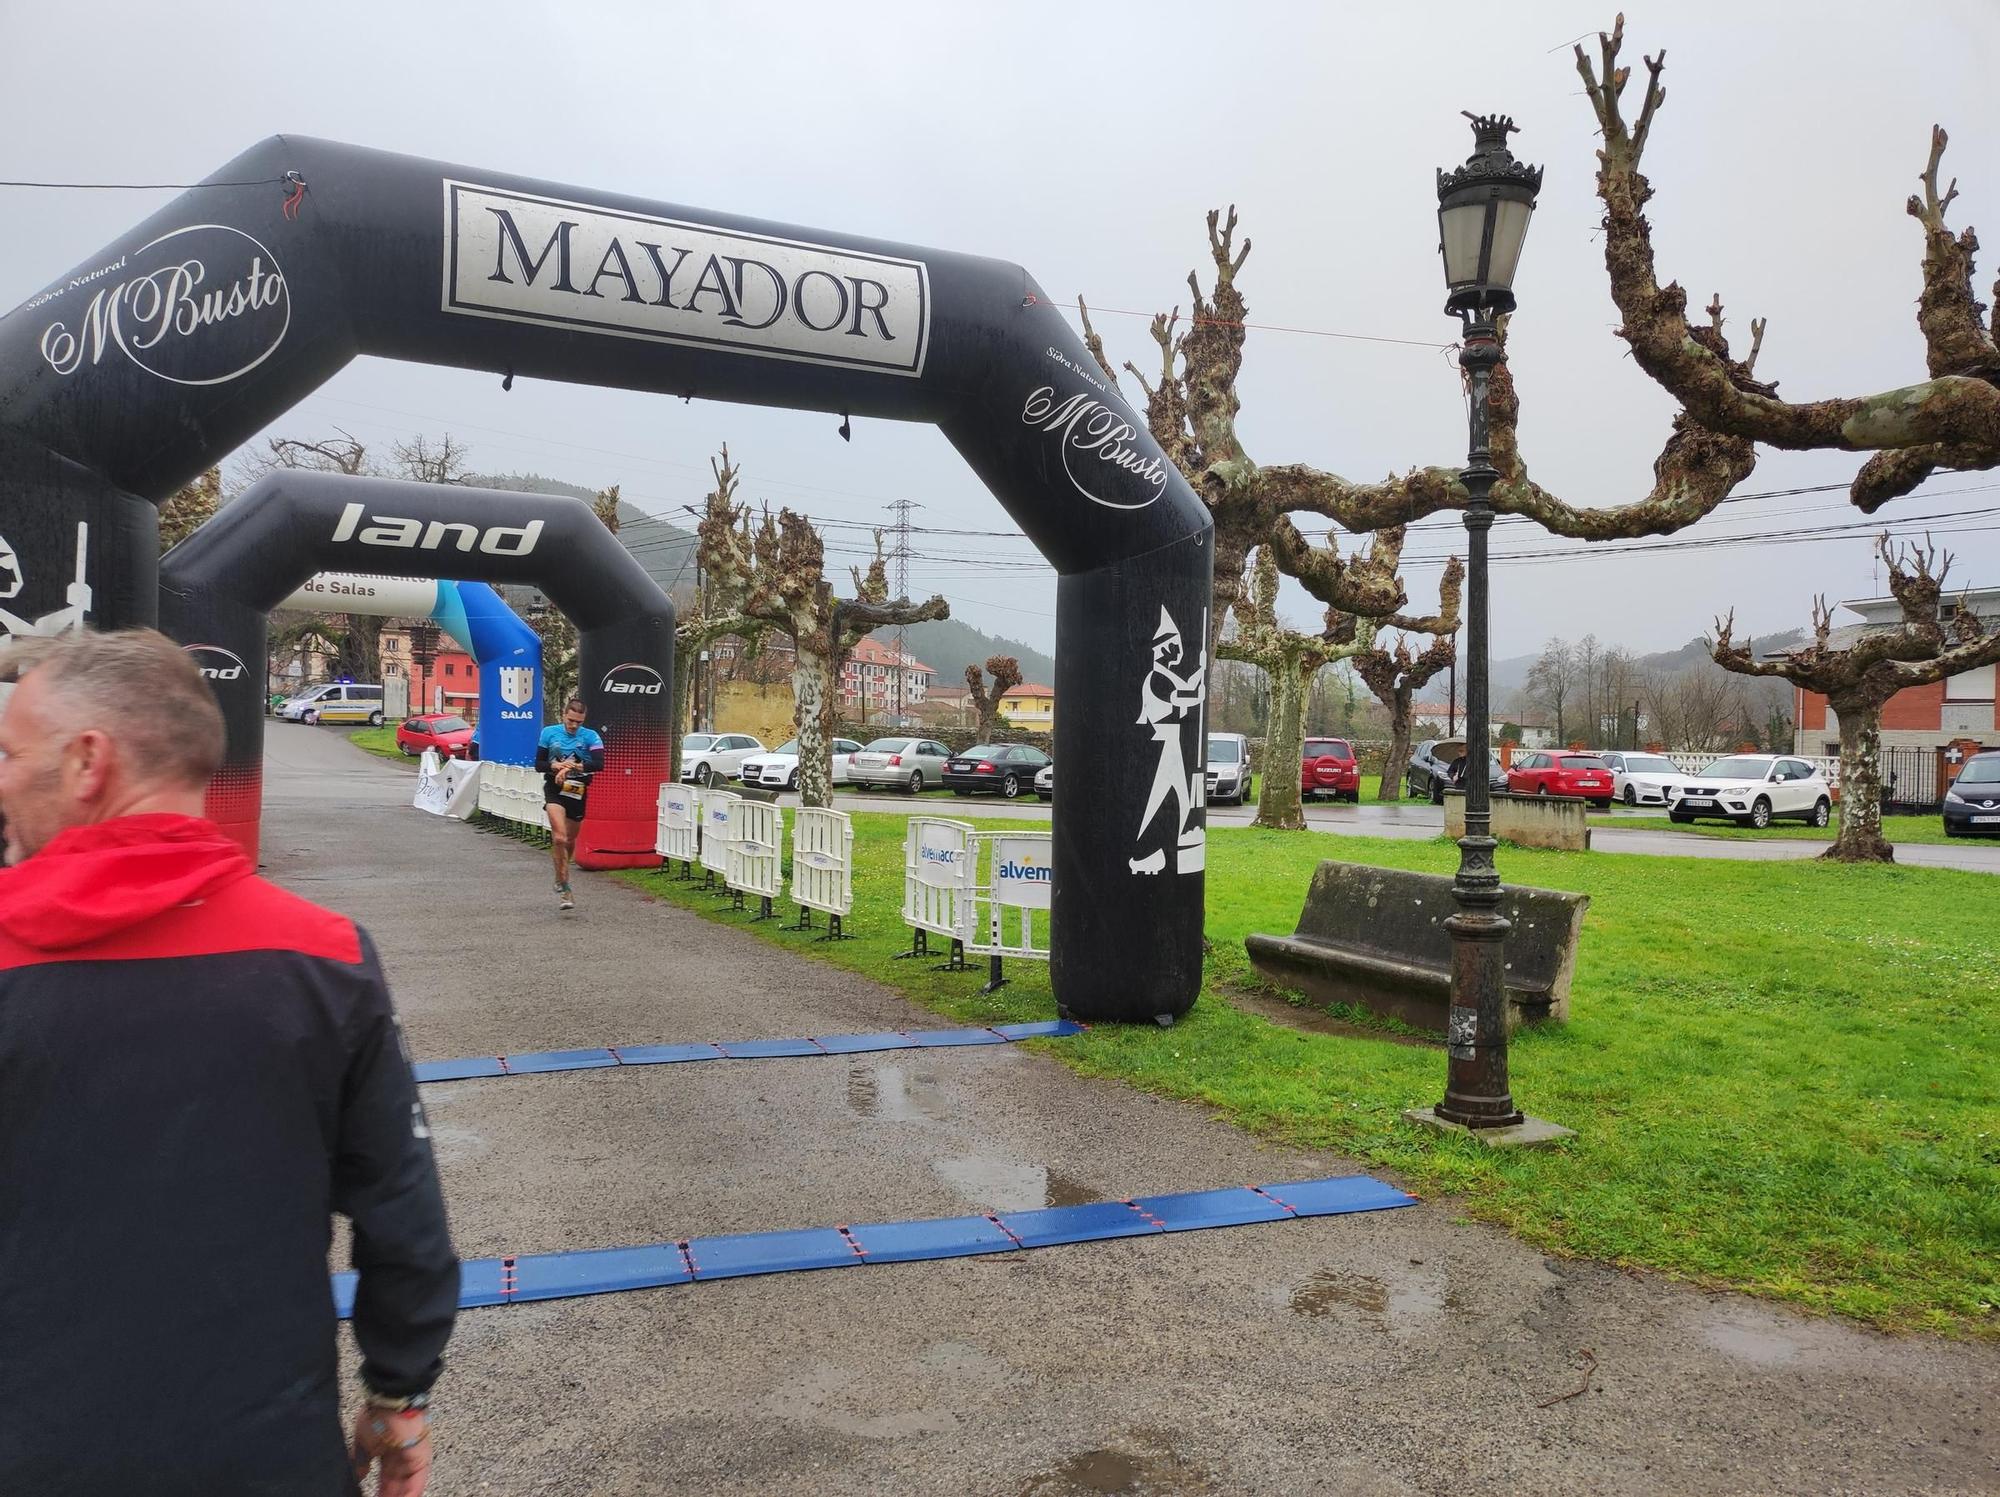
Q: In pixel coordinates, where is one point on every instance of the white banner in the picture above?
(461, 787)
(941, 854)
(1022, 871)
(431, 795)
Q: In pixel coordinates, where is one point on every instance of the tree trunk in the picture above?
(1398, 758)
(1860, 839)
(812, 691)
(1284, 747)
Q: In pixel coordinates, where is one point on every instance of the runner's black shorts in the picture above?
(570, 806)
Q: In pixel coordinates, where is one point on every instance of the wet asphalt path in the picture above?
(1389, 1353)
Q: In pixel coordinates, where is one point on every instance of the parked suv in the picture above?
(1228, 776)
(1329, 768)
(1972, 803)
(1754, 790)
(706, 757)
(1562, 772)
(340, 702)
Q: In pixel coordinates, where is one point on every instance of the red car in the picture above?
(1329, 768)
(1562, 772)
(450, 735)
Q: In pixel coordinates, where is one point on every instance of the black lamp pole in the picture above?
(1483, 211)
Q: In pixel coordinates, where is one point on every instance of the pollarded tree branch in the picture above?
(1956, 339)
(1952, 409)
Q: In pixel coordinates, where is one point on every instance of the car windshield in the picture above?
(1328, 748)
(1582, 761)
(789, 746)
(449, 725)
(887, 746)
(1736, 768)
(1649, 764)
(984, 751)
(696, 742)
(1224, 751)
(1981, 771)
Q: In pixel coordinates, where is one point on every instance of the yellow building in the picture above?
(1030, 707)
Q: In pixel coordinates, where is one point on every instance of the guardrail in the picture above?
(823, 868)
(754, 858)
(716, 833)
(938, 886)
(678, 837)
(512, 793)
(1020, 874)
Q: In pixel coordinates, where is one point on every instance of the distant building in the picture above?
(1030, 707)
(1961, 706)
(449, 684)
(868, 681)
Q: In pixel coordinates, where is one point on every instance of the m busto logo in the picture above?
(632, 679)
(217, 664)
(201, 305)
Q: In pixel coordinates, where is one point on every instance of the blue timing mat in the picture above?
(535, 1276)
(545, 1061)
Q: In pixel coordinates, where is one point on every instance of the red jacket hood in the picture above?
(92, 881)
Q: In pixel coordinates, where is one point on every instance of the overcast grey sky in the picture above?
(1087, 141)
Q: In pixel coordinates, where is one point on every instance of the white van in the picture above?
(341, 702)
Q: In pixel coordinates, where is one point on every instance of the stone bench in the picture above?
(1375, 937)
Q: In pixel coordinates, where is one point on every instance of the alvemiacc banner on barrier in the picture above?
(941, 854)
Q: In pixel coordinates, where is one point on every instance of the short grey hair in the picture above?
(135, 686)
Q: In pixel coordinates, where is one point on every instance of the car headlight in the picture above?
(1953, 795)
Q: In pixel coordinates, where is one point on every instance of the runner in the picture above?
(567, 755)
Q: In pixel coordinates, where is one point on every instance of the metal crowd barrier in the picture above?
(679, 831)
(1020, 872)
(755, 856)
(716, 832)
(823, 868)
(938, 886)
(512, 793)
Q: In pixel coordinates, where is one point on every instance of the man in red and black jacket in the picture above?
(196, 1070)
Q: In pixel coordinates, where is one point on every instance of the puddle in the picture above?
(1393, 1306)
(1159, 1469)
(895, 1095)
(1317, 1020)
(1747, 1343)
(1002, 1185)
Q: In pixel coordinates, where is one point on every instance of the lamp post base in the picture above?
(1529, 1133)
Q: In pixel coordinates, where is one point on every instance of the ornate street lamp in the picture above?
(1483, 212)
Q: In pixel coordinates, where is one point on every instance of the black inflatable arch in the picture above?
(217, 589)
(172, 346)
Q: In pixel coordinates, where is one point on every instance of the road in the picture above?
(1397, 1352)
(1422, 822)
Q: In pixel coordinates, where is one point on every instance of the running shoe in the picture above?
(568, 901)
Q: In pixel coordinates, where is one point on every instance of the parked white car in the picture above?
(1643, 779)
(1754, 790)
(706, 757)
(779, 769)
(911, 764)
(1228, 774)
(1045, 781)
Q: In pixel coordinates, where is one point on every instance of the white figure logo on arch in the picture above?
(1172, 696)
(76, 600)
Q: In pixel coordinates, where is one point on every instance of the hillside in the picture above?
(666, 551)
(948, 646)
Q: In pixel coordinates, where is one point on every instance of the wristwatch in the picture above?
(396, 1404)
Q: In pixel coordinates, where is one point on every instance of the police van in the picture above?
(340, 702)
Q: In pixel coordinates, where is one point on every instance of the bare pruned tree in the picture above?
(1005, 672)
(1396, 673)
(774, 576)
(1693, 709)
(1857, 679)
(425, 459)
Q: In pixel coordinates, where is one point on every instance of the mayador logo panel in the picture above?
(524, 258)
(201, 305)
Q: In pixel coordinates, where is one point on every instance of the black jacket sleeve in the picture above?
(593, 758)
(542, 757)
(386, 1182)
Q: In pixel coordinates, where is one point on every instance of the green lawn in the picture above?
(1912, 829)
(378, 741)
(1784, 1074)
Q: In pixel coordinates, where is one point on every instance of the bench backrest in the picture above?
(1398, 913)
